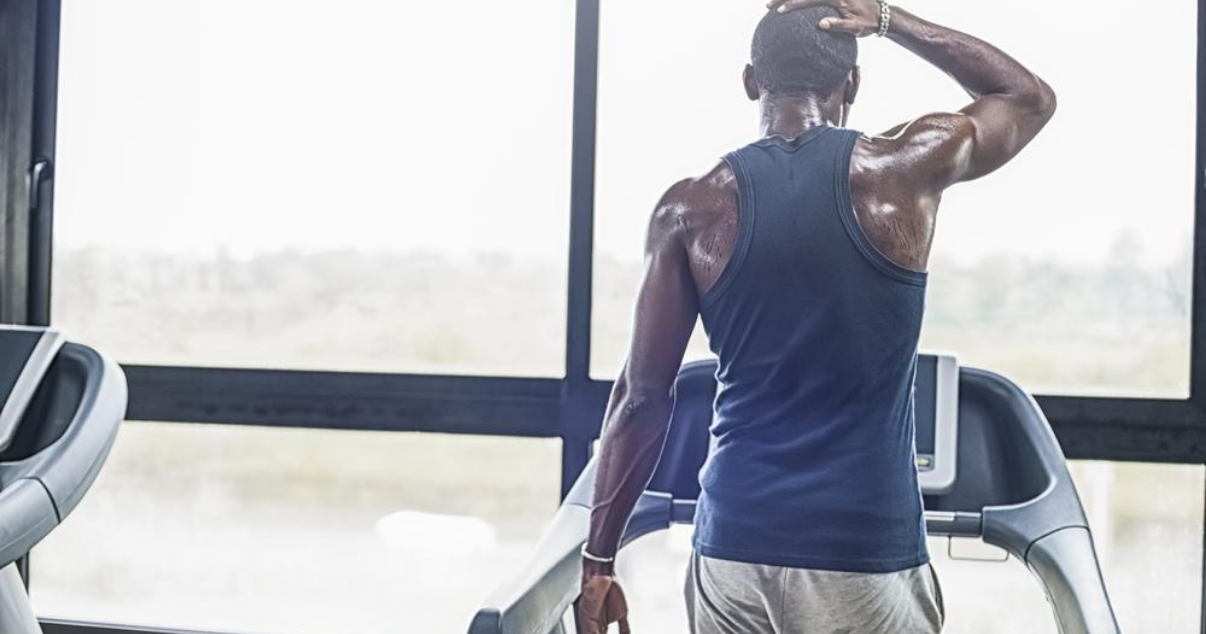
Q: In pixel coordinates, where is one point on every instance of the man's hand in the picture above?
(859, 18)
(601, 604)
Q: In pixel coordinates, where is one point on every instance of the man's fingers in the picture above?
(783, 6)
(588, 625)
(584, 622)
(838, 25)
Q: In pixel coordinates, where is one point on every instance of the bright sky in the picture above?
(259, 125)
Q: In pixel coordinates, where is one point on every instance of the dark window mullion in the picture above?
(1197, 366)
(45, 118)
(577, 427)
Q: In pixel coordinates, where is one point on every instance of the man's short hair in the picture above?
(792, 55)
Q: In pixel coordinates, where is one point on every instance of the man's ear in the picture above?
(853, 82)
(750, 81)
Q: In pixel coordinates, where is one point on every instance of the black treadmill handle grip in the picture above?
(954, 524)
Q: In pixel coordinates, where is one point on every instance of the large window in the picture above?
(293, 532)
(360, 185)
(1069, 269)
(385, 187)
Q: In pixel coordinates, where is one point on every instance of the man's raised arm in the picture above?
(1011, 104)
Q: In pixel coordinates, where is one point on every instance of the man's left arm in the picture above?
(638, 413)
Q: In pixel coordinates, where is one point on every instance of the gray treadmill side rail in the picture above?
(1048, 532)
(37, 493)
(1063, 561)
(549, 583)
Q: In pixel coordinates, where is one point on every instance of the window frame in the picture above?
(570, 408)
(1101, 428)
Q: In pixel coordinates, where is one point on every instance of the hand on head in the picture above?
(859, 18)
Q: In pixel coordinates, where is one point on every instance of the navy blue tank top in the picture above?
(813, 462)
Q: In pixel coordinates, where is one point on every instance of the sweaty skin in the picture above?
(896, 179)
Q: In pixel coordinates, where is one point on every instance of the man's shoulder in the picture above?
(694, 203)
(708, 193)
(914, 145)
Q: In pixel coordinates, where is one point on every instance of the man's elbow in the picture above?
(1043, 99)
(644, 402)
(643, 407)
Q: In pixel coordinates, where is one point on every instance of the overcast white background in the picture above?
(259, 126)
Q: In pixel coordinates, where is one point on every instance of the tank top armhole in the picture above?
(854, 230)
(745, 230)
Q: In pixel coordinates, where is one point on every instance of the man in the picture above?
(804, 254)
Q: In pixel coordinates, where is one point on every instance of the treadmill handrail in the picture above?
(42, 490)
(535, 601)
(550, 582)
(1050, 533)
(43, 354)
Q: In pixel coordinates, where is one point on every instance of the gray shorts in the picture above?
(728, 597)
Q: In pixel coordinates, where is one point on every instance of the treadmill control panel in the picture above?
(936, 405)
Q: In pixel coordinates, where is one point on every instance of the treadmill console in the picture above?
(936, 402)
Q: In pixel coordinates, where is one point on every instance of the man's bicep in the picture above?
(945, 148)
(1003, 126)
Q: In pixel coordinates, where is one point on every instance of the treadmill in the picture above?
(990, 468)
(62, 404)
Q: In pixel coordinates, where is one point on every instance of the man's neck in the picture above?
(789, 117)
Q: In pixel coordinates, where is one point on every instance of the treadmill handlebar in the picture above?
(37, 492)
(1048, 532)
(549, 584)
(1066, 564)
(954, 524)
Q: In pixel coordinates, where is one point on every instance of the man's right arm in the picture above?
(1010, 104)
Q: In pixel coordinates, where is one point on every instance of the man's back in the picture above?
(816, 333)
(899, 224)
